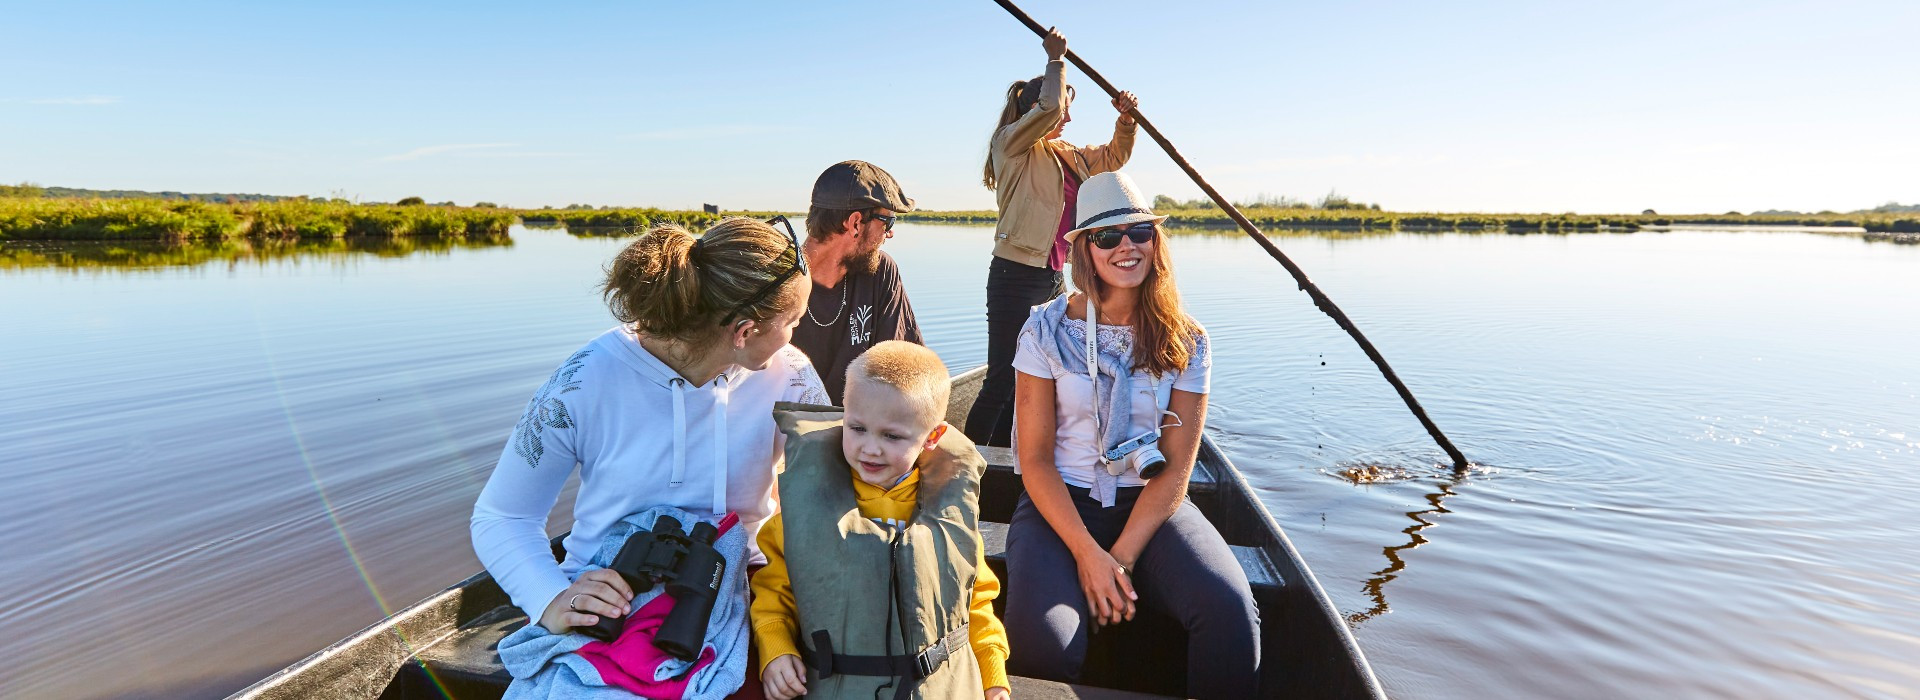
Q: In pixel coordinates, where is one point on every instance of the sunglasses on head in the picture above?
(799, 266)
(1109, 238)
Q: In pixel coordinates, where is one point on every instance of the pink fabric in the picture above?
(1070, 192)
(631, 662)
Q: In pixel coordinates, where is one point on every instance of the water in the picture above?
(1698, 449)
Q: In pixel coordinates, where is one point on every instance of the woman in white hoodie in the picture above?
(673, 407)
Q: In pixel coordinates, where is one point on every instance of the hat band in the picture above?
(1111, 212)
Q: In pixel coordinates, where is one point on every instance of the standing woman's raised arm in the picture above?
(1035, 125)
(1114, 154)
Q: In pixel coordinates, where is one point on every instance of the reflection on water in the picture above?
(1705, 478)
(100, 256)
(1376, 586)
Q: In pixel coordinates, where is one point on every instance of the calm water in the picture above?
(1700, 449)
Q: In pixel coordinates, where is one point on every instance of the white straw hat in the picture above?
(1110, 199)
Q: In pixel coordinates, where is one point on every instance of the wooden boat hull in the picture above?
(443, 646)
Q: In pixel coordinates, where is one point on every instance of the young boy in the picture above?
(898, 597)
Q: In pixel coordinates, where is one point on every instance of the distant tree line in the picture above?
(1332, 201)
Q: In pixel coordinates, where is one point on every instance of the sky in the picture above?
(1682, 106)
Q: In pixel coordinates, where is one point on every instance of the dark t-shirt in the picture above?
(876, 309)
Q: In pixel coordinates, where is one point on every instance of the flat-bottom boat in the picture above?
(443, 647)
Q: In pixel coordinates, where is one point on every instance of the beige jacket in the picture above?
(1027, 172)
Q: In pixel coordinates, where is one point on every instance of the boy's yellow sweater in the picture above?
(775, 631)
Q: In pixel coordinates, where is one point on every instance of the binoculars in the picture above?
(689, 567)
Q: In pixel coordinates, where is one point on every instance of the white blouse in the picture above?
(1076, 453)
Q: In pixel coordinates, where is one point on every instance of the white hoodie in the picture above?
(642, 437)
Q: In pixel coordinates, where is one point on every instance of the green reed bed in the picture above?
(113, 255)
(615, 221)
(1367, 219)
(72, 219)
(310, 220)
(175, 221)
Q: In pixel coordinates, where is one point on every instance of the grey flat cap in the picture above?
(857, 184)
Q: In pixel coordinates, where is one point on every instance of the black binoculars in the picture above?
(689, 567)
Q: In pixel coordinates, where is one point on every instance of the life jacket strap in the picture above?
(916, 666)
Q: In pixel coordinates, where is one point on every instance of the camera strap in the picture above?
(1093, 375)
(1093, 371)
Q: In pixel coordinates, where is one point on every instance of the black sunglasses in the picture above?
(888, 220)
(1109, 238)
(799, 266)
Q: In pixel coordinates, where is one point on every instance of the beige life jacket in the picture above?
(878, 604)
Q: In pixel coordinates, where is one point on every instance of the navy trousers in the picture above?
(1013, 290)
(1186, 572)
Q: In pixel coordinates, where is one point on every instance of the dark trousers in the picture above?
(1013, 290)
(1186, 572)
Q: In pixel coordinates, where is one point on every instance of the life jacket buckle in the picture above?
(928, 661)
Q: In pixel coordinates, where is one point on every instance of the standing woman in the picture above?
(1092, 539)
(673, 407)
(1034, 176)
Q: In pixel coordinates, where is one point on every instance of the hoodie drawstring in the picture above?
(722, 391)
(679, 387)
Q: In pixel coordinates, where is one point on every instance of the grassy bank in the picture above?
(620, 222)
(117, 255)
(33, 218)
(1367, 219)
(617, 220)
(29, 218)
(178, 221)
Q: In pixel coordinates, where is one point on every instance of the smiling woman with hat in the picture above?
(1109, 402)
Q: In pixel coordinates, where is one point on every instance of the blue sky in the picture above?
(1702, 106)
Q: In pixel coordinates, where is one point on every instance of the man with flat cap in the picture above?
(858, 299)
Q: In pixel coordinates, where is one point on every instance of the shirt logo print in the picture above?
(860, 325)
(547, 411)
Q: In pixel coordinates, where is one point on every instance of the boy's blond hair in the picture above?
(912, 369)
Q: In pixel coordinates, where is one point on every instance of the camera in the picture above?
(1139, 454)
(689, 567)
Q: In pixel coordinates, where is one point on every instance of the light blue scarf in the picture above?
(1113, 390)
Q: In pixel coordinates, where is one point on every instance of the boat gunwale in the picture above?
(1236, 480)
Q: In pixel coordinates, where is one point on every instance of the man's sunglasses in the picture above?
(888, 220)
(799, 266)
(1109, 238)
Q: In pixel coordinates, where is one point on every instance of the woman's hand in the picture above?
(1109, 591)
(596, 593)
(1126, 103)
(1055, 43)
(784, 678)
(998, 692)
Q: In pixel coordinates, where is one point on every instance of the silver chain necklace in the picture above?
(844, 284)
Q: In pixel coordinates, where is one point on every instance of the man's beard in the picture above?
(864, 263)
